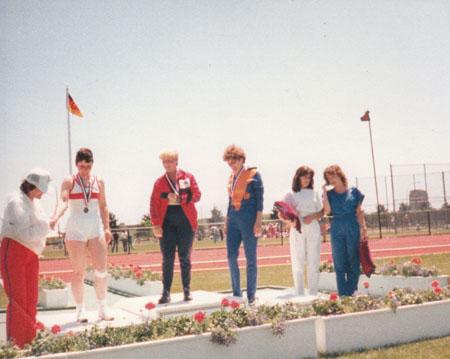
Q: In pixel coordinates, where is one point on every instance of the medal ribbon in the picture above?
(235, 180)
(86, 194)
(174, 187)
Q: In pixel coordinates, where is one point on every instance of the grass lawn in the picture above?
(424, 349)
(52, 252)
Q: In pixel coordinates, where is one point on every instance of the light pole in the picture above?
(366, 118)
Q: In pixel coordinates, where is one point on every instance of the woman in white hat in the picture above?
(23, 234)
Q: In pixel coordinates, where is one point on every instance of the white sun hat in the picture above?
(40, 178)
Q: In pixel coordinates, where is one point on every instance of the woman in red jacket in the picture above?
(174, 219)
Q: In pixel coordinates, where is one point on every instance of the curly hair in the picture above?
(335, 169)
(302, 171)
(233, 151)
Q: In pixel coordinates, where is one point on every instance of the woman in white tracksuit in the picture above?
(305, 246)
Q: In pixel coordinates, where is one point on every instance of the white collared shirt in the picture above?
(24, 221)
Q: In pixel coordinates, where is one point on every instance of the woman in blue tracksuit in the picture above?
(243, 222)
(348, 227)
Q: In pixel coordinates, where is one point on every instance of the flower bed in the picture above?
(411, 316)
(53, 293)
(334, 325)
(410, 274)
(227, 333)
(131, 279)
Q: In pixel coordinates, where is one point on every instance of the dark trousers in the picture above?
(177, 234)
(240, 229)
(345, 248)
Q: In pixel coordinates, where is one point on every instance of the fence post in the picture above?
(393, 200)
(425, 178)
(429, 222)
(443, 187)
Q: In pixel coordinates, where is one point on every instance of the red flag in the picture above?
(365, 117)
(72, 106)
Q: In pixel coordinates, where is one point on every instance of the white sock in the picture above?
(101, 304)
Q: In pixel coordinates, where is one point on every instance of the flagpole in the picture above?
(68, 130)
(375, 177)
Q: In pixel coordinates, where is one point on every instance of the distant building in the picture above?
(418, 200)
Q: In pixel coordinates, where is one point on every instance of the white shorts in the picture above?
(83, 229)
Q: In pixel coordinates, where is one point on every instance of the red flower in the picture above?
(437, 290)
(416, 260)
(40, 326)
(138, 274)
(334, 296)
(391, 294)
(329, 261)
(56, 329)
(435, 283)
(366, 284)
(225, 302)
(199, 317)
(234, 304)
(150, 306)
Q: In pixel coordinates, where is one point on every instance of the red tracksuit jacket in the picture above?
(189, 196)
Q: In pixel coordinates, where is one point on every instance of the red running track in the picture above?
(214, 259)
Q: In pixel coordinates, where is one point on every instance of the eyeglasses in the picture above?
(234, 158)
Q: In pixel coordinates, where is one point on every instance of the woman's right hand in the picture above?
(157, 232)
(52, 223)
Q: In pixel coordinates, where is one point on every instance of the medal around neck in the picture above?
(86, 192)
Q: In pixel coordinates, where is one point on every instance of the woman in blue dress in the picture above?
(348, 228)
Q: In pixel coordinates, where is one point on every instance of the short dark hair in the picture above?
(84, 154)
(302, 171)
(26, 187)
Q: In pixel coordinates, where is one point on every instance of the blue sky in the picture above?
(286, 80)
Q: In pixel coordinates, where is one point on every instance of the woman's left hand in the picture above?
(364, 236)
(108, 236)
(257, 229)
(308, 219)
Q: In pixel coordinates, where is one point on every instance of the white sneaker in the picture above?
(81, 316)
(103, 315)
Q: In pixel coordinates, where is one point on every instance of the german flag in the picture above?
(72, 106)
(365, 117)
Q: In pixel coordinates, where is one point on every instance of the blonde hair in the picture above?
(169, 155)
(233, 151)
(335, 169)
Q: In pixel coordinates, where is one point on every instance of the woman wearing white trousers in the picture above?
(305, 246)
